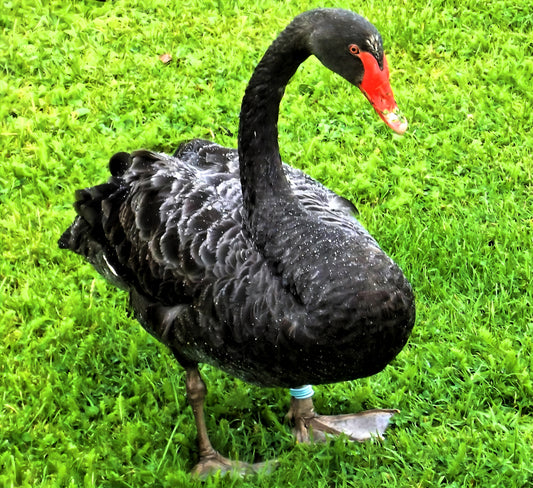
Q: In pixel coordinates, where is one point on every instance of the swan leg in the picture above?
(311, 427)
(212, 461)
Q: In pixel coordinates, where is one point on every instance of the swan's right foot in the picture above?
(214, 462)
(211, 461)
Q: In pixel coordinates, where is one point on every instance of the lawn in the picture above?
(89, 399)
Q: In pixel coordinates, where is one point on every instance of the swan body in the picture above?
(235, 259)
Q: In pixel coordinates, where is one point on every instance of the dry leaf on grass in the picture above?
(165, 58)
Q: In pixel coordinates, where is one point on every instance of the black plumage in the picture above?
(234, 259)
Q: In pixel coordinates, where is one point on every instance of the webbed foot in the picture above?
(211, 461)
(214, 462)
(360, 427)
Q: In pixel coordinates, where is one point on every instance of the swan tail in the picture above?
(91, 234)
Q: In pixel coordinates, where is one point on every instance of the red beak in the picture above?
(377, 89)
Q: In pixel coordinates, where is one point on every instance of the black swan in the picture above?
(235, 259)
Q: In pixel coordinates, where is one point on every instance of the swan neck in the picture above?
(261, 171)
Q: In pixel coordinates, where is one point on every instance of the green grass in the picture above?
(89, 399)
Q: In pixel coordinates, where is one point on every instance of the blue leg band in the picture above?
(302, 392)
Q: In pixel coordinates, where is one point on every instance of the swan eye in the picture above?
(354, 49)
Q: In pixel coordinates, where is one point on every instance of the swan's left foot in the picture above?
(360, 427)
(214, 462)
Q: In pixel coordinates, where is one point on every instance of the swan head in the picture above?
(349, 45)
